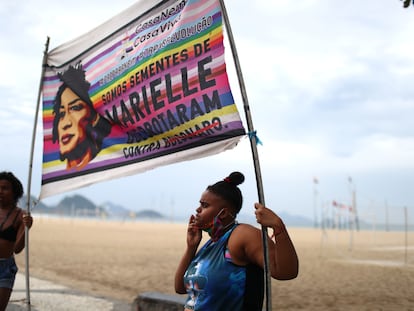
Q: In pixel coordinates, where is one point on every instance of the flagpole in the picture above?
(29, 179)
(253, 144)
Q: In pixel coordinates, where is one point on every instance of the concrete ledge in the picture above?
(154, 301)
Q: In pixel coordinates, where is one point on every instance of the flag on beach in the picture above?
(342, 206)
(147, 88)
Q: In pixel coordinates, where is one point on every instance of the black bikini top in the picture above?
(10, 233)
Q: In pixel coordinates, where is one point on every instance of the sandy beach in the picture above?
(339, 270)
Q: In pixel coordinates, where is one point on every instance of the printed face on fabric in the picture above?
(74, 116)
(210, 207)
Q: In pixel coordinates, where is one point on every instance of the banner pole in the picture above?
(29, 179)
(253, 144)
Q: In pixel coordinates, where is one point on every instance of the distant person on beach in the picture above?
(227, 272)
(77, 126)
(13, 221)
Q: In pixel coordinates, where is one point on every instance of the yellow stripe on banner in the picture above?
(52, 165)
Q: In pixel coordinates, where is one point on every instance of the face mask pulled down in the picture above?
(216, 228)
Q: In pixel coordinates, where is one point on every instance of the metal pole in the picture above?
(315, 200)
(253, 144)
(29, 180)
(387, 227)
(406, 234)
(351, 216)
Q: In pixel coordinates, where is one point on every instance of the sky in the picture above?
(329, 86)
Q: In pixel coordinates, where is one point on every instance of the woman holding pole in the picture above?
(227, 272)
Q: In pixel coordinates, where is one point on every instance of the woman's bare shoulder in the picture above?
(243, 239)
(246, 229)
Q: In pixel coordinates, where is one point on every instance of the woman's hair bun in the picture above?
(235, 178)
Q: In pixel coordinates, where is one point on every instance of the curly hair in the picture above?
(16, 184)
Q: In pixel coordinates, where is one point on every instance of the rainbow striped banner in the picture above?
(136, 93)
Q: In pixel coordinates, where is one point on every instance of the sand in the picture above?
(339, 270)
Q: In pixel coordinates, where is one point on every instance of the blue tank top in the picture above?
(215, 283)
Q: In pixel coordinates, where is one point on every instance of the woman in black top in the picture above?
(12, 233)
